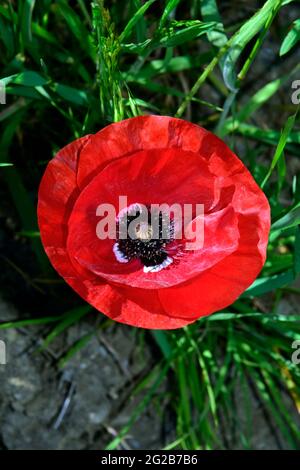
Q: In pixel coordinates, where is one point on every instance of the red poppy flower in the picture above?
(153, 160)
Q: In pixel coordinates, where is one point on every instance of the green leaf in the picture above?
(45, 35)
(274, 409)
(170, 6)
(267, 284)
(69, 319)
(182, 35)
(27, 78)
(291, 219)
(297, 252)
(255, 102)
(77, 346)
(281, 145)
(173, 65)
(160, 375)
(248, 30)
(77, 27)
(71, 94)
(277, 264)
(134, 20)
(281, 168)
(29, 322)
(141, 26)
(292, 37)
(171, 37)
(6, 34)
(139, 48)
(30, 233)
(231, 316)
(210, 12)
(141, 103)
(163, 343)
(269, 136)
(26, 19)
(24, 91)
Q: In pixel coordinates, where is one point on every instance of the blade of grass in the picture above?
(69, 319)
(75, 348)
(291, 39)
(280, 147)
(134, 20)
(268, 284)
(210, 12)
(169, 8)
(141, 406)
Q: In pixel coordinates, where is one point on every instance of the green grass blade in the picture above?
(134, 20)
(280, 147)
(68, 319)
(170, 6)
(291, 39)
(267, 284)
(210, 12)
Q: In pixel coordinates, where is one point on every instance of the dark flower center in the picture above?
(144, 235)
